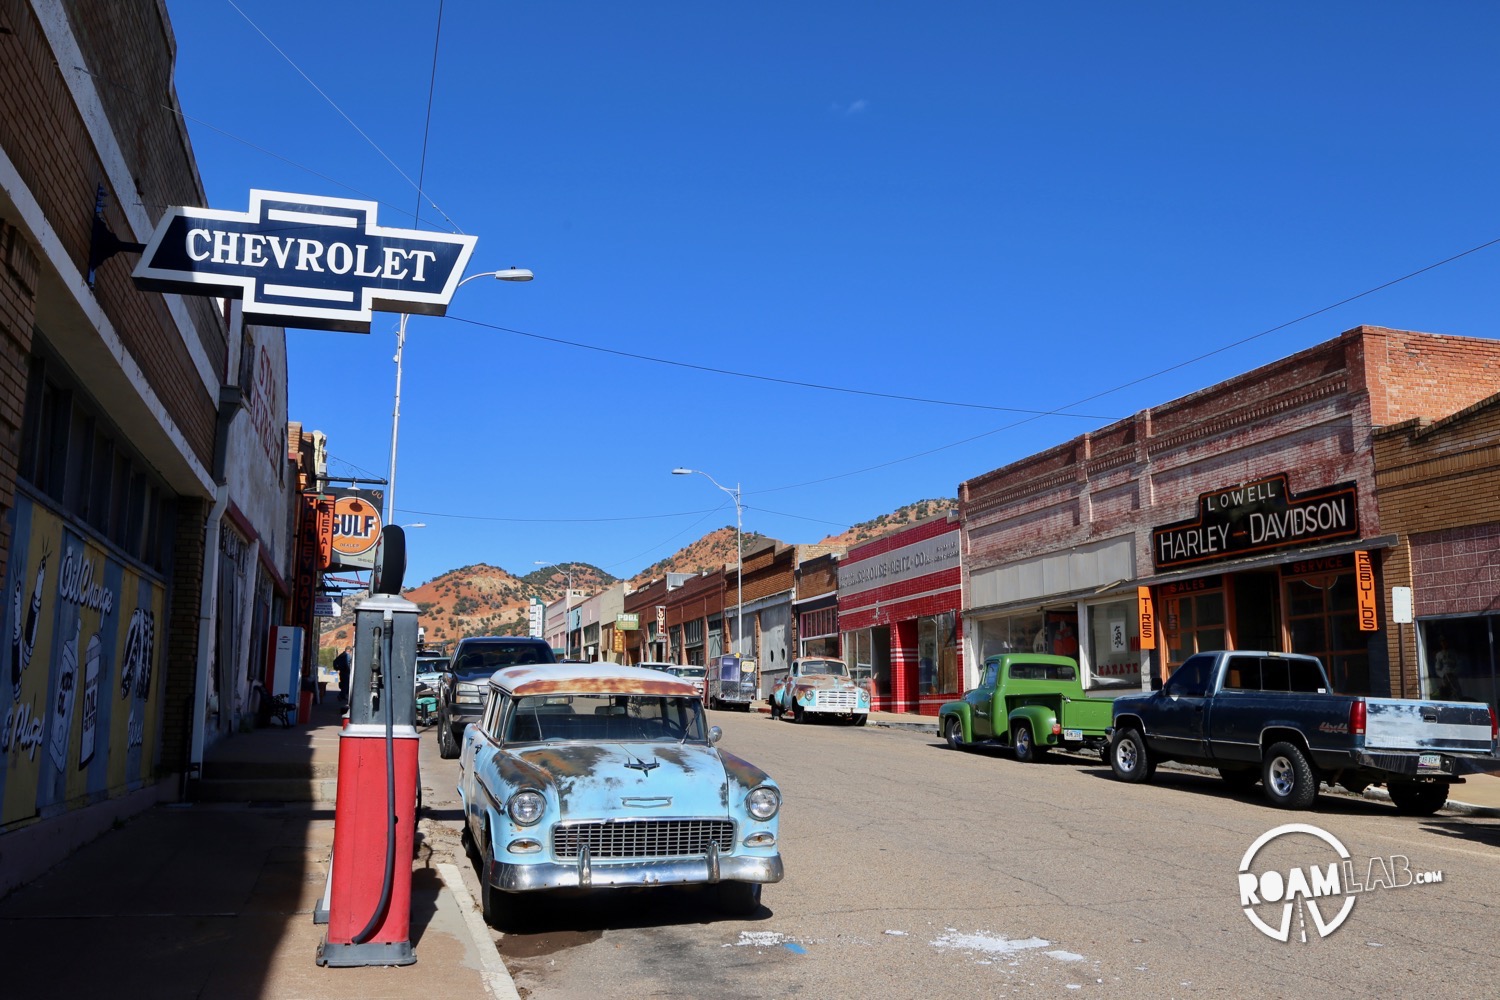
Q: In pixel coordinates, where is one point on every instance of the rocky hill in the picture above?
(487, 600)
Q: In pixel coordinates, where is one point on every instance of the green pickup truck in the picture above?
(1029, 702)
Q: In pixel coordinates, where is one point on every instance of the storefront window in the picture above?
(937, 654)
(1114, 645)
(861, 657)
(1015, 634)
(1193, 619)
(1457, 659)
(1322, 621)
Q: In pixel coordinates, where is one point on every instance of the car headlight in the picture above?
(763, 802)
(526, 807)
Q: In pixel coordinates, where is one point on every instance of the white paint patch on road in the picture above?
(896, 933)
(985, 943)
(761, 939)
(1065, 956)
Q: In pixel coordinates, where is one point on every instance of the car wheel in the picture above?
(861, 718)
(1417, 798)
(489, 897)
(739, 899)
(1025, 747)
(1239, 778)
(953, 732)
(798, 715)
(1128, 757)
(1289, 779)
(447, 741)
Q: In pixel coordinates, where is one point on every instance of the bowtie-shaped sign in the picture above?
(302, 260)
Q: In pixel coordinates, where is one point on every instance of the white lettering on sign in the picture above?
(932, 555)
(226, 246)
(76, 584)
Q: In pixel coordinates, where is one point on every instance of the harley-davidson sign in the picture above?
(1254, 517)
(302, 260)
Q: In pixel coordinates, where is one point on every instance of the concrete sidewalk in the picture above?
(216, 899)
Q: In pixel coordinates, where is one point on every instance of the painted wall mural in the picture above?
(82, 710)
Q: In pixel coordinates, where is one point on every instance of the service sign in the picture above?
(303, 260)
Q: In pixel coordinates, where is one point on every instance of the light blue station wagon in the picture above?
(595, 776)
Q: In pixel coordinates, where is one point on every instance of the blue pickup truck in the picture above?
(1273, 718)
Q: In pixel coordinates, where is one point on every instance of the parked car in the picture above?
(820, 687)
(461, 689)
(1274, 718)
(608, 777)
(1029, 702)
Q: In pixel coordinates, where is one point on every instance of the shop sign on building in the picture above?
(931, 555)
(1256, 517)
(303, 260)
(627, 622)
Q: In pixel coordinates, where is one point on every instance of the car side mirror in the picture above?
(715, 734)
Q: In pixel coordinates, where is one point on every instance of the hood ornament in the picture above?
(644, 766)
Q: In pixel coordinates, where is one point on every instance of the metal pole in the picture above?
(390, 486)
(739, 570)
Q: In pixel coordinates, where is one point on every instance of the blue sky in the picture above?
(1081, 207)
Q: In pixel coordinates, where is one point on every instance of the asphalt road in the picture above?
(915, 870)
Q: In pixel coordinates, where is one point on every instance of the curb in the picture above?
(496, 976)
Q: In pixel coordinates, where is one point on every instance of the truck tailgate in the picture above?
(1398, 724)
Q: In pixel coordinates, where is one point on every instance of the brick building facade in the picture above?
(898, 611)
(145, 529)
(1438, 483)
(1246, 513)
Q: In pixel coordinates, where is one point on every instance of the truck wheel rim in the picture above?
(1023, 740)
(1282, 779)
(1125, 754)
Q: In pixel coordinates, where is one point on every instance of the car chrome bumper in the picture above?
(586, 874)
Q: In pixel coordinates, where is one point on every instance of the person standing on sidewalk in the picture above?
(341, 665)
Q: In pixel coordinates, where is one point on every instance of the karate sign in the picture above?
(302, 260)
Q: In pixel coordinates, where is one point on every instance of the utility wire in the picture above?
(769, 378)
(333, 104)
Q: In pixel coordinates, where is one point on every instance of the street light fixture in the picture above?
(567, 607)
(505, 274)
(739, 550)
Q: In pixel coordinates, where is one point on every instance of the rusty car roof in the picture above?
(589, 678)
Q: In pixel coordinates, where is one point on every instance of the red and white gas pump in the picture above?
(369, 890)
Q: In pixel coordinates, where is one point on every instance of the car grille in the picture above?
(838, 701)
(643, 838)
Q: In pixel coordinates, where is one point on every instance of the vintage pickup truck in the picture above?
(1029, 702)
(1273, 717)
(819, 687)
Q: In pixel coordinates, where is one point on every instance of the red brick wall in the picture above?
(1438, 484)
(1311, 415)
(18, 278)
(126, 48)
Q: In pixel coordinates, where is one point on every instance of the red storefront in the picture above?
(899, 599)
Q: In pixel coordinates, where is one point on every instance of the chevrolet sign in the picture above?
(302, 260)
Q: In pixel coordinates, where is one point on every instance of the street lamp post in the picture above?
(739, 549)
(506, 274)
(567, 607)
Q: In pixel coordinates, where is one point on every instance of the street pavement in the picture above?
(217, 898)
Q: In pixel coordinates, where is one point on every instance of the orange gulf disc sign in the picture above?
(356, 526)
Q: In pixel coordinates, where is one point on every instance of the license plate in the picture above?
(1073, 735)
(1430, 762)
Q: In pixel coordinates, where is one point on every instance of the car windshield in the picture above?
(483, 659)
(606, 718)
(833, 668)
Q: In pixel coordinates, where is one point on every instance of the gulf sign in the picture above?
(303, 260)
(356, 529)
